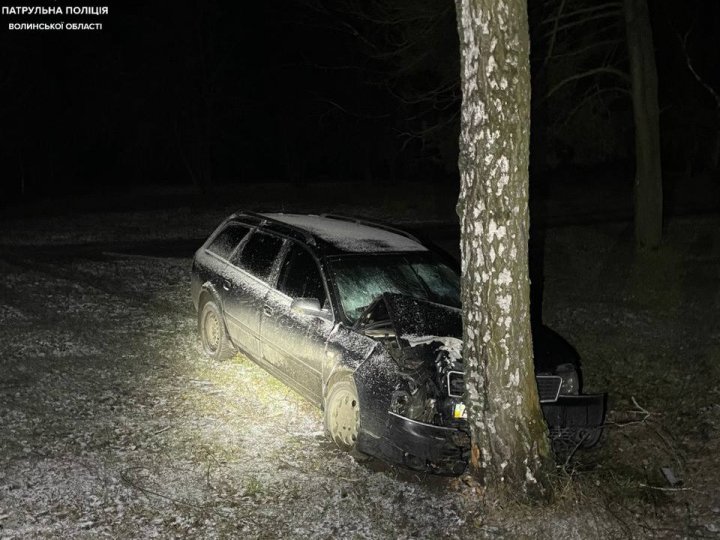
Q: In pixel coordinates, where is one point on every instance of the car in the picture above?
(364, 320)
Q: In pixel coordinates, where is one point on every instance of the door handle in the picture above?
(226, 284)
(268, 311)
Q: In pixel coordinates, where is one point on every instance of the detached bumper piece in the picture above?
(575, 421)
(425, 447)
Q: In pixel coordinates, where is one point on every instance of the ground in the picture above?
(114, 423)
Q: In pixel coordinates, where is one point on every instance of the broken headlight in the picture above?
(412, 401)
(570, 380)
(455, 384)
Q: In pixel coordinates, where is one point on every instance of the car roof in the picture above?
(339, 234)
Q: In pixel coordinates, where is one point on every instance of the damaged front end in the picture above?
(426, 427)
(427, 413)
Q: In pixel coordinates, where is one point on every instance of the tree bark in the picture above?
(511, 453)
(648, 169)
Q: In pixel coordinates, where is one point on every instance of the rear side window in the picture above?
(259, 254)
(300, 276)
(228, 239)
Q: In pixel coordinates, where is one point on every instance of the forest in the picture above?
(123, 147)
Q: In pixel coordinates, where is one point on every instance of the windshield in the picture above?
(361, 279)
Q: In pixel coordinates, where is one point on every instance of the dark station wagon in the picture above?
(363, 320)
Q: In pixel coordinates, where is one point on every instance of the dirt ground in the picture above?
(113, 424)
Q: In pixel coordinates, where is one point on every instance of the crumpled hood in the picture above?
(424, 328)
(415, 317)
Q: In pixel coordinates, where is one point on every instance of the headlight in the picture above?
(570, 380)
(455, 384)
(413, 403)
(401, 402)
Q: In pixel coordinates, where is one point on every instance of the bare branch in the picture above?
(400, 16)
(593, 45)
(615, 13)
(589, 73)
(691, 67)
(428, 95)
(553, 36)
(422, 133)
(335, 105)
(638, 410)
(594, 95)
(671, 489)
(559, 16)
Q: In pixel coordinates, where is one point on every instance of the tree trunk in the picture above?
(511, 453)
(648, 171)
(22, 174)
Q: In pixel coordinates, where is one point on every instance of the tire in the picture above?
(342, 414)
(213, 335)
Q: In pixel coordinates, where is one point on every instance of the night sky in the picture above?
(206, 94)
(200, 93)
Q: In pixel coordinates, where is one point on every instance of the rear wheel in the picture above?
(215, 341)
(342, 414)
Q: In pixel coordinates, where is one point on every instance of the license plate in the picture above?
(459, 411)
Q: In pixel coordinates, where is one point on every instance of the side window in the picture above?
(300, 276)
(259, 254)
(228, 239)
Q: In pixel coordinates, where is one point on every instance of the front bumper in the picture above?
(446, 450)
(420, 446)
(576, 420)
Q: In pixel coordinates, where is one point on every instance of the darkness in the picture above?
(122, 149)
(206, 95)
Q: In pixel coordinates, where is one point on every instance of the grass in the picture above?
(106, 397)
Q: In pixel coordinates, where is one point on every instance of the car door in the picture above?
(294, 342)
(211, 262)
(251, 269)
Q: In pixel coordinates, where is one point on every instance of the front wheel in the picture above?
(215, 341)
(342, 414)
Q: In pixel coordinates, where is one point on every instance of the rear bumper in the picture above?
(446, 450)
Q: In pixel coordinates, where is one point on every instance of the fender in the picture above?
(210, 289)
(337, 356)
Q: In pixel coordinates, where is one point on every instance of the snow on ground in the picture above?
(114, 424)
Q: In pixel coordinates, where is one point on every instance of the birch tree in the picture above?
(511, 452)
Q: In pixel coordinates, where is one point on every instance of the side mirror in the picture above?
(308, 306)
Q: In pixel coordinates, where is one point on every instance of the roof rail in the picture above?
(306, 235)
(373, 224)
